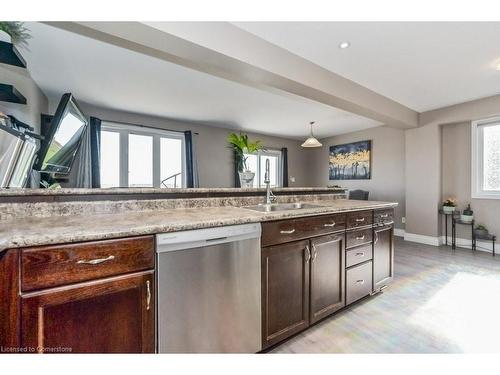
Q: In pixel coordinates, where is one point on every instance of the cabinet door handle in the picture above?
(360, 220)
(376, 237)
(360, 281)
(148, 295)
(360, 254)
(360, 237)
(308, 254)
(330, 225)
(287, 231)
(96, 261)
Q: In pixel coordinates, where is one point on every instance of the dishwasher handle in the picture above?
(206, 237)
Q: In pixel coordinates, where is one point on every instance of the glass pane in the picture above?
(171, 163)
(140, 160)
(491, 158)
(273, 169)
(110, 159)
(252, 166)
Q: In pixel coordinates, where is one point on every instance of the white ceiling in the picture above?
(422, 65)
(117, 78)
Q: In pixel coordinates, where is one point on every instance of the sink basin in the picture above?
(281, 207)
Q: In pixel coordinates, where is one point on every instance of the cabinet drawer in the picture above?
(358, 237)
(358, 255)
(358, 282)
(49, 266)
(380, 217)
(359, 219)
(276, 232)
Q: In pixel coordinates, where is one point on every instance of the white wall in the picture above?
(37, 101)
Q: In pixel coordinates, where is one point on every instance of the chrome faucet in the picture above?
(270, 197)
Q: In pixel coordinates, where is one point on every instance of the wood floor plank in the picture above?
(441, 301)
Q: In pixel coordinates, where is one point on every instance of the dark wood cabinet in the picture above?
(114, 315)
(285, 291)
(383, 256)
(327, 276)
(358, 282)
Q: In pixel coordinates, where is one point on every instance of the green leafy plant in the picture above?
(450, 202)
(481, 227)
(241, 146)
(18, 33)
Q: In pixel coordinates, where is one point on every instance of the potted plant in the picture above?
(14, 32)
(480, 231)
(243, 146)
(449, 205)
(467, 215)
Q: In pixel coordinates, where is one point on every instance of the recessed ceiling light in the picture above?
(344, 45)
(497, 67)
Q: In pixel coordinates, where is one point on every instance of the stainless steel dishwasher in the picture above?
(209, 290)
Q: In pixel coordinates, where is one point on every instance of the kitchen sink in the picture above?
(281, 207)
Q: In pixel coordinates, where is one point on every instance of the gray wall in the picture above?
(456, 166)
(215, 158)
(424, 156)
(388, 166)
(37, 101)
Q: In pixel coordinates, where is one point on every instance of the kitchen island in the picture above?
(65, 265)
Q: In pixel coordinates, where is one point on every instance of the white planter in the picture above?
(467, 218)
(4, 37)
(246, 179)
(448, 209)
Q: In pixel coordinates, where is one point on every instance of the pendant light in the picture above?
(311, 141)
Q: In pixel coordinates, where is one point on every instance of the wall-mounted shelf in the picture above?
(10, 55)
(9, 93)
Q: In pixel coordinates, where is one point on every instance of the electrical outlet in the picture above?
(403, 220)
(292, 179)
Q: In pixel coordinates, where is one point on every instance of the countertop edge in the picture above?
(253, 217)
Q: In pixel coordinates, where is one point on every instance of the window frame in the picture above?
(269, 152)
(477, 163)
(124, 129)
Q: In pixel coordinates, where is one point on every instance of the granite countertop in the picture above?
(66, 229)
(115, 191)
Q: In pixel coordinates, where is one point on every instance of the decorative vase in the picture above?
(448, 209)
(246, 179)
(4, 37)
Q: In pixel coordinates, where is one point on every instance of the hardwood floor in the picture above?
(440, 302)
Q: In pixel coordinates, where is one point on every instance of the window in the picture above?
(486, 159)
(257, 162)
(136, 156)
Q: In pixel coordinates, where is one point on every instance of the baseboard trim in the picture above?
(419, 238)
(399, 232)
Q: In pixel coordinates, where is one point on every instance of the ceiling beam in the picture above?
(224, 50)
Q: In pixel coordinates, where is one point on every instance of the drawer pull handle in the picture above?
(148, 295)
(96, 261)
(287, 231)
(308, 254)
(329, 225)
(360, 254)
(360, 281)
(360, 237)
(360, 220)
(383, 216)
